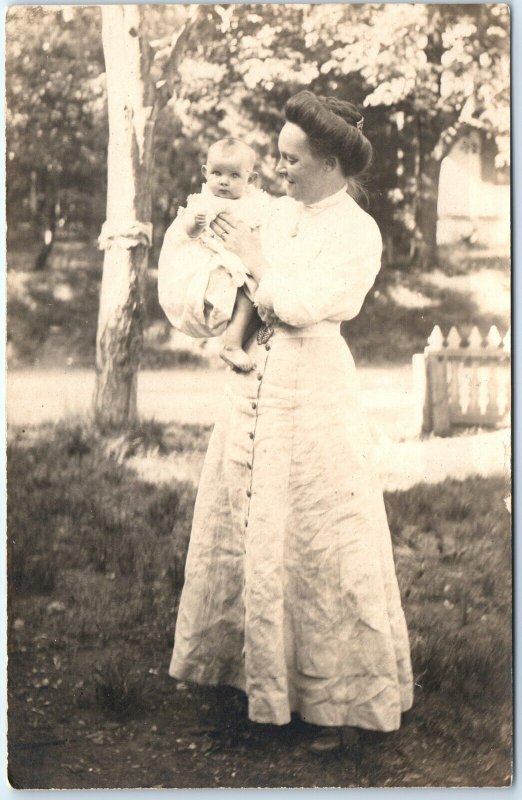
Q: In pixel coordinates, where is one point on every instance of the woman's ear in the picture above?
(204, 171)
(252, 178)
(330, 163)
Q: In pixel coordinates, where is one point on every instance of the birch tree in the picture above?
(135, 98)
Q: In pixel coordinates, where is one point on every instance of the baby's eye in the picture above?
(216, 172)
(235, 175)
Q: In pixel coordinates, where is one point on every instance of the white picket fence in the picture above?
(463, 381)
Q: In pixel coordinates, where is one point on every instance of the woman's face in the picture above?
(304, 174)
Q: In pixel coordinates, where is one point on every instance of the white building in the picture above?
(474, 195)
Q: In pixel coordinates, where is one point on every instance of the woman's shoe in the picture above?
(327, 740)
(334, 738)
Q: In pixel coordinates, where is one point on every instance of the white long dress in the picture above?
(290, 588)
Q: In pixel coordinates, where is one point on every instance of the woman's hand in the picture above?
(240, 239)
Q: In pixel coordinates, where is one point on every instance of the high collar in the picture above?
(326, 202)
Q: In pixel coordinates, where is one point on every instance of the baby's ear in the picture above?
(204, 171)
(252, 178)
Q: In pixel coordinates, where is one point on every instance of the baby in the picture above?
(229, 187)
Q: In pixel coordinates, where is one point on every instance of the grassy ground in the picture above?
(52, 314)
(95, 570)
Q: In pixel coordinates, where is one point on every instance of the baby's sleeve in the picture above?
(183, 286)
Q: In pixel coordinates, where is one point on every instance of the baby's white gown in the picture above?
(290, 588)
(199, 278)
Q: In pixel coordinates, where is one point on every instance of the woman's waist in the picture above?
(325, 328)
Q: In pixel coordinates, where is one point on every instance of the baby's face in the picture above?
(228, 174)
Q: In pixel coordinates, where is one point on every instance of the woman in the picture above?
(290, 589)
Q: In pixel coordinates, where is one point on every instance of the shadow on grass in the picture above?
(53, 314)
(386, 331)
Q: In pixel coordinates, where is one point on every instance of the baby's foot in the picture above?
(236, 358)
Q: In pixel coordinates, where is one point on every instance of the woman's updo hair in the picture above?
(333, 128)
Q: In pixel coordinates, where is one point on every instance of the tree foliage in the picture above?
(422, 73)
(434, 70)
(56, 114)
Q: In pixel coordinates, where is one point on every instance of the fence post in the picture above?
(437, 383)
(439, 394)
(421, 392)
(462, 381)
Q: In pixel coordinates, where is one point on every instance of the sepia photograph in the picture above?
(258, 283)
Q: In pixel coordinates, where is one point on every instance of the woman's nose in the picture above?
(281, 167)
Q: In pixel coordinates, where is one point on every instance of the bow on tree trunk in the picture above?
(134, 102)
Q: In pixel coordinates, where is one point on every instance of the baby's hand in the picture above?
(201, 220)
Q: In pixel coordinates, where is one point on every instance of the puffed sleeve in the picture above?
(330, 284)
(183, 287)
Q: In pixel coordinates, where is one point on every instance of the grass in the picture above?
(95, 562)
(72, 504)
(53, 314)
(116, 690)
(391, 329)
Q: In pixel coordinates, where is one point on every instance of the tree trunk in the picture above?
(33, 194)
(126, 233)
(120, 336)
(424, 249)
(47, 237)
(427, 217)
(48, 221)
(134, 102)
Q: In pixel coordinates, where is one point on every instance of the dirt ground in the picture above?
(187, 395)
(190, 737)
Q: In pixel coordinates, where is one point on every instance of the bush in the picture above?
(116, 690)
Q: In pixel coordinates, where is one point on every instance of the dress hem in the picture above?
(310, 719)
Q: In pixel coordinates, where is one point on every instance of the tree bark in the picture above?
(134, 103)
(425, 252)
(428, 131)
(47, 220)
(120, 322)
(47, 233)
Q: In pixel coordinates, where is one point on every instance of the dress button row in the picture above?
(251, 435)
(267, 346)
(246, 523)
(254, 405)
(248, 493)
(249, 465)
(259, 376)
